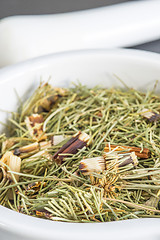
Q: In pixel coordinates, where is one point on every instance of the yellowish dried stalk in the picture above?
(13, 162)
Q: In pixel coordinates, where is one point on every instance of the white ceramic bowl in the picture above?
(137, 69)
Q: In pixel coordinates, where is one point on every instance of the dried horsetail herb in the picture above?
(141, 153)
(78, 141)
(43, 213)
(114, 189)
(89, 165)
(13, 162)
(99, 164)
(35, 127)
(42, 99)
(150, 115)
(38, 146)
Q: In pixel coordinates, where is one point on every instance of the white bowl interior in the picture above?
(136, 69)
(95, 67)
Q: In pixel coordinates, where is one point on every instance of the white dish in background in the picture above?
(137, 69)
(119, 25)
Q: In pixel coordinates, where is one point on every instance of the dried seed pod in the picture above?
(89, 165)
(13, 162)
(145, 153)
(150, 115)
(78, 141)
(34, 123)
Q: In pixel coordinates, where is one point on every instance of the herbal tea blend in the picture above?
(83, 155)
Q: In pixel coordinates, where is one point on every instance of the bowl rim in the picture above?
(32, 227)
(42, 61)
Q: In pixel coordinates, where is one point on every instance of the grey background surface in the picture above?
(21, 7)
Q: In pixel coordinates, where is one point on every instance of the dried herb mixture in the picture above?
(83, 155)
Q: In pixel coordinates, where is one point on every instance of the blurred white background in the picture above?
(29, 7)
